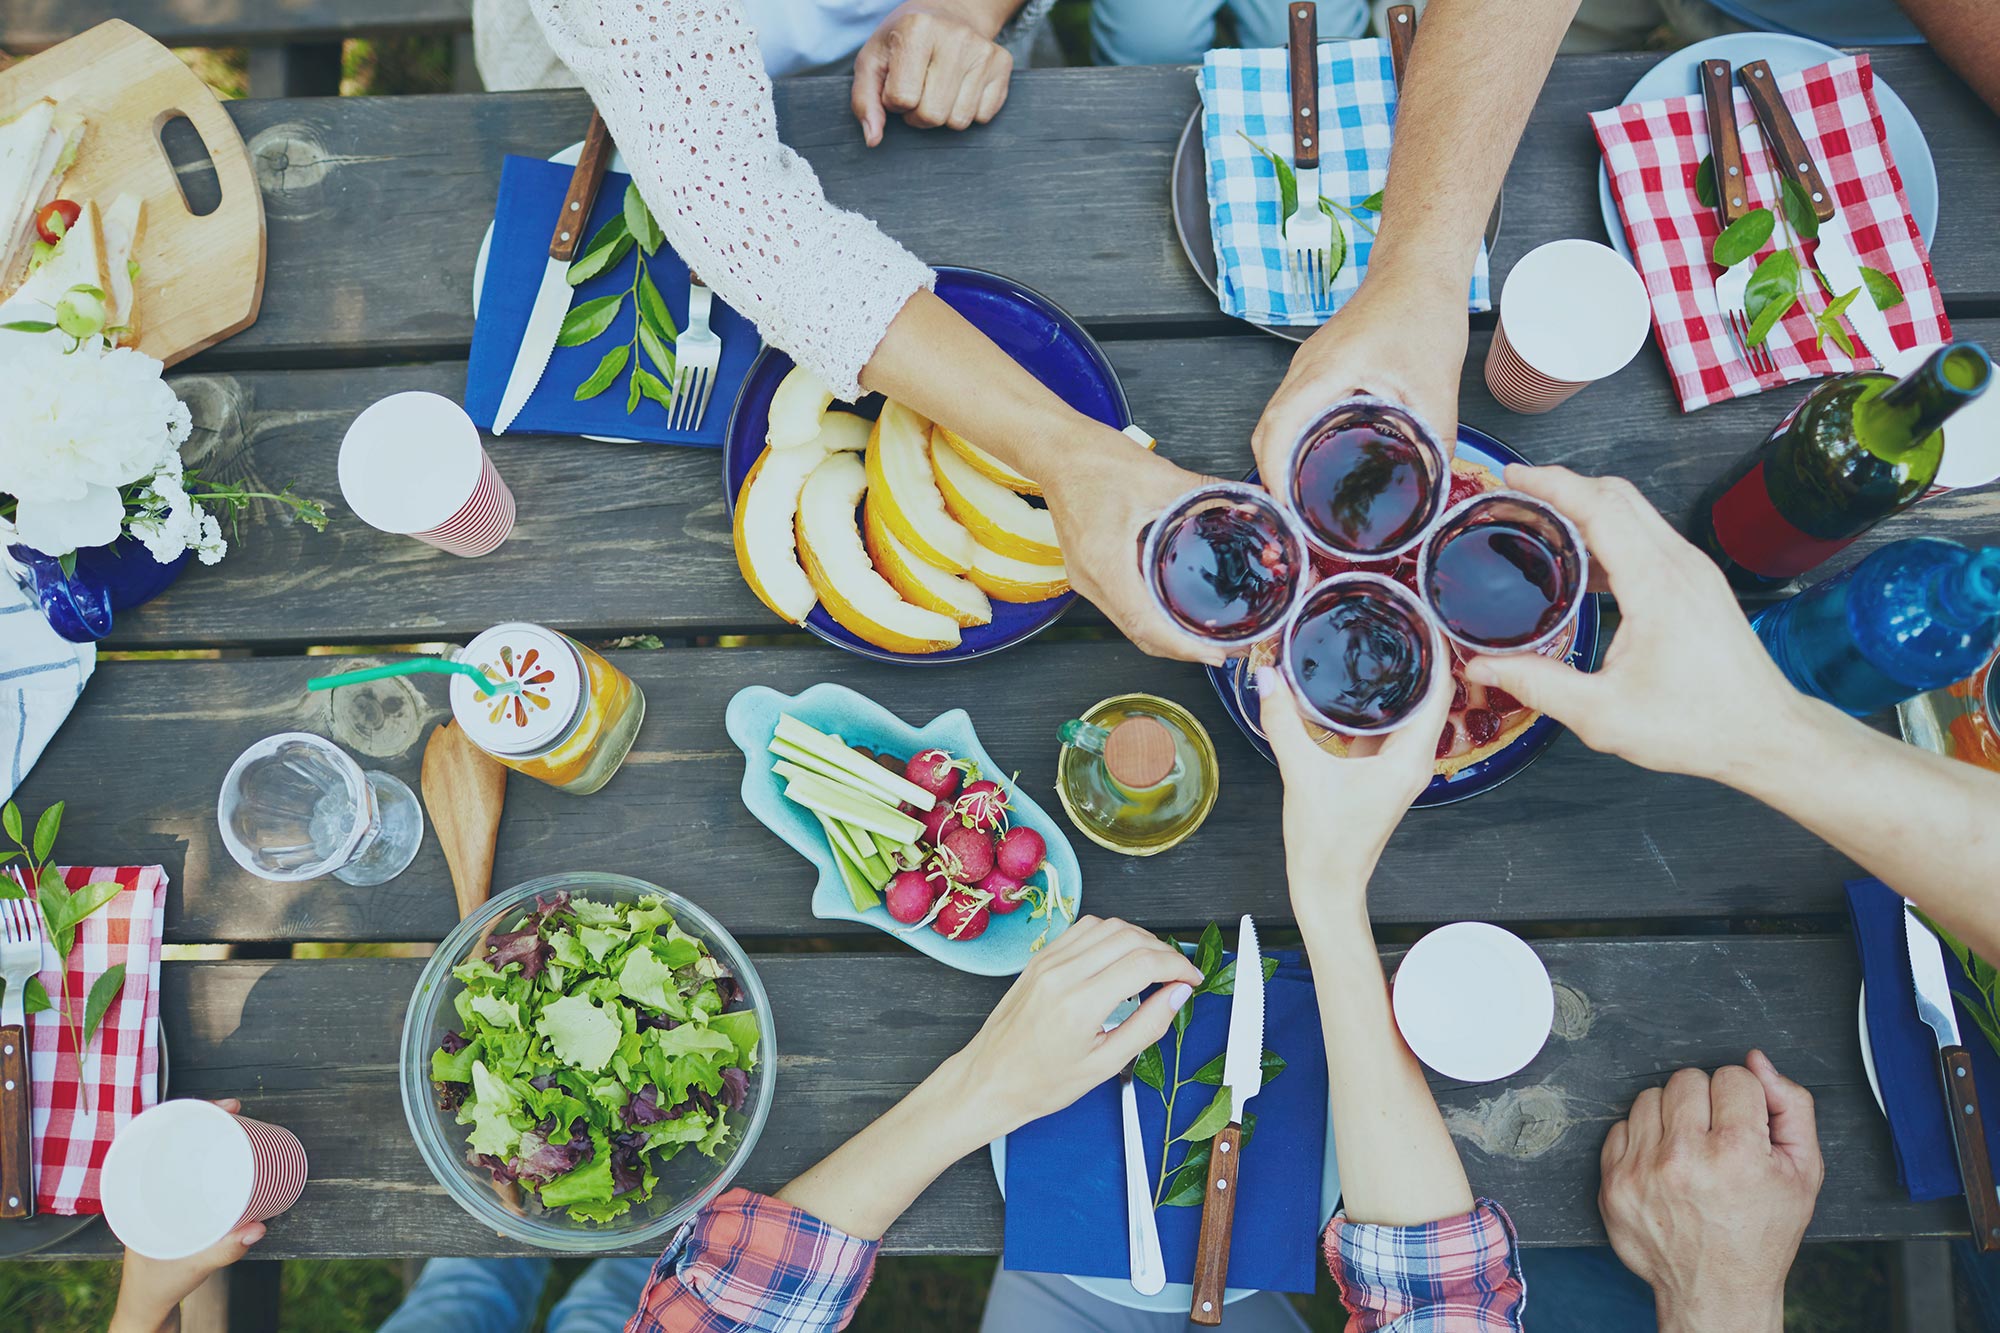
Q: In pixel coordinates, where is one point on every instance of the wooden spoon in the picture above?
(464, 790)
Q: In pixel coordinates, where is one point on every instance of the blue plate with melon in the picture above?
(1010, 940)
(1042, 339)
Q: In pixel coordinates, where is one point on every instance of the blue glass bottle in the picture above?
(1917, 615)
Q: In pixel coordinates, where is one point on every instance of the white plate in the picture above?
(567, 157)
(1868, 1054)
(1676, 75)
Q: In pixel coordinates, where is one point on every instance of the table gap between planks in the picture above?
(1704, 923)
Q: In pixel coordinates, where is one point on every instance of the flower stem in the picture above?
(1167, 1130)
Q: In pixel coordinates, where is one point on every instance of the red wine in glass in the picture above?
(1225, 564)
(1367, 480)
(1359, 653)
(1503, 572)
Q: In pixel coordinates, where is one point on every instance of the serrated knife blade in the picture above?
(1243, 1065)
(1242, 1076)
(1927, 976)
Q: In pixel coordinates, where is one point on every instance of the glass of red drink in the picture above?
(1359, 652)
(1503, 573)
(1225, 563)
(1366, 480)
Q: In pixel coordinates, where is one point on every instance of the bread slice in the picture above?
(124, 228)
(78, 260)
(36, 150)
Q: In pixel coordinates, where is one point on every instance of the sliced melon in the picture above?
(997, 518)
(984, 463)
(854, 594)
(918, 580)
(1005, 578)
(843, 432)
(763, 531)
(900, 479)
(796, 409)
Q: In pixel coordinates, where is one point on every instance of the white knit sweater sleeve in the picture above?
(683, 89)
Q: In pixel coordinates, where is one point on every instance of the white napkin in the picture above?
(41, 676)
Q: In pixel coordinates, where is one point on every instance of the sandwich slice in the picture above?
(37, 147)
(124, 226)
(77, 261)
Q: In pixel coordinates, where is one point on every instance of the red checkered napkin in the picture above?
(1651, 151)
(123, 1063)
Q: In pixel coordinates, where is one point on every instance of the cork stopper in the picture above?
(1139, 752)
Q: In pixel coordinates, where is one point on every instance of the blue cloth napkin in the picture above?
(1066, 1172)
(531, 195)
(1906, 1064)
(1249, 92)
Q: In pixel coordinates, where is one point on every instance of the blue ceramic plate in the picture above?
(1677, 74)
(1028, 327)
(1238, 687)
(752, 719)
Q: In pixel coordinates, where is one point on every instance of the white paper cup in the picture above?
(413, 464)
(1971, 437)
(183, 1175)
(1474, 1002)
(1571, 313)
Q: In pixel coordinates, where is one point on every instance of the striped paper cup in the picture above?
(181, 1176)
(1571, 313)
(413, 464)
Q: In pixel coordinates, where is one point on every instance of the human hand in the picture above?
(1108, 490)
(1399, 340)
(1340, 811)
(1686, 686)
(1044, 1045)
(150, 1291)
(1708, 1187)
(935, 62)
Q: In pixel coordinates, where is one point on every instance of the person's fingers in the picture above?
(999, 77)
(229, 1249)
(1736, 1101)
(909, 49)
(1116, 940)
(1794, 1125)
(229, 1104)
(1542, 683)
(1615, 1144)
(1645, 1119)
(1070, 943)
(1684, 1104)
(1146, 1025)
(1133, 972)
(1623, 530)
(1278, 715)
(1415, 742)
(942, 82)
(871, 67)
(965, 105)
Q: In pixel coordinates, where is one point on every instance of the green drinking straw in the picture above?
(415, 666)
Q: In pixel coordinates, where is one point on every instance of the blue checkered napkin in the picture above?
(41, 676)
(1248, 92)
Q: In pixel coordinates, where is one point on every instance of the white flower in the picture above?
(74, 427)
(168, 521)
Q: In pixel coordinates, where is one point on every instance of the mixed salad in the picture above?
(596, 1041)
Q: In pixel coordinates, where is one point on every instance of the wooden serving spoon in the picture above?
(464, 790)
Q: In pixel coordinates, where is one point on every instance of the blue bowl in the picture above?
(1238, 685)
(1028, 327)
(1008, 943)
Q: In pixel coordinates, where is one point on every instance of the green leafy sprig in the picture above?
(1182, 1185)
(653, 331)
(1778, 282)
(63, 910)
(1342, 214)
(1983, 1006)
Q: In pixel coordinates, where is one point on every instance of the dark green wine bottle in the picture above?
(1859, 449)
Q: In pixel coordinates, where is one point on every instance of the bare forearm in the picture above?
(1474, 74)
(1927, 826)
(868, 1182)
(1965, 34)
(1722, 1313)
(1398, 1166)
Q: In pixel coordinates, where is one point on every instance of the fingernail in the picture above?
(1478, 672)
(1177, 994)
(252, 1234)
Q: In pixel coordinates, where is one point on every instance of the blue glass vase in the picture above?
(106, 579)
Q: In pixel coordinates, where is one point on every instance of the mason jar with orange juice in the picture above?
(564, 715)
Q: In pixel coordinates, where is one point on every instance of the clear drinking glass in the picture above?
(1225, 563)
(1359, 652)
(1503, 573)
(295, 806)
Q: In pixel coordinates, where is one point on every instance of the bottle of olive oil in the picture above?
(1859, 449)
(1137, 774)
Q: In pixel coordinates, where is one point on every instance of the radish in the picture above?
(909, 896)
(1008, 893)
(936, 772)
(982, 805)
(962, 917)
(967, 853)
(1020, 852)
(934, 821)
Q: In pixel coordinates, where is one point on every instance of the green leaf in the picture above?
(1704, 182)
(653, 310)
(1882, 288)
(102, 992)
(1189, 1181)
(1181, 1016)
(1336, 246)
(10, 819)
(1208, 954)
(1211, 1073)
(1772, 290)
(36, 996)
(588, 320)
(606, 372)
(1222, 983)
(662, 357)
(28, 326)
(632, 391)
(1373, 203)
(1212, 1118)
(1151, 1068)
(1288, 184)
(1981, 1016)
(599, 258)
(1743, 237)
(651, 386)
(89, 898)
(10, 887)
(1827, 321)
(1799, 209)
(639, 221)
(45, 831)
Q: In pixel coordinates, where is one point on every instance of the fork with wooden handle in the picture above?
(1732, 201)
(20, 960)
(1308, 231)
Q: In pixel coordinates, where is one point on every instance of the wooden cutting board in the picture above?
(200, 278)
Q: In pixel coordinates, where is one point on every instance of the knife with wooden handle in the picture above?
(1961, 1093)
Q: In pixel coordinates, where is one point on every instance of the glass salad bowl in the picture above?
(685, 1182)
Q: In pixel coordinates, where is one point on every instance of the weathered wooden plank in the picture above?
(313, 1046)
(30, 25)
(643, 538)
(376, 205)
(1579, 836)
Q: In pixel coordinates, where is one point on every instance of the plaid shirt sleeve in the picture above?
(1457, 1275)
(752, 1263)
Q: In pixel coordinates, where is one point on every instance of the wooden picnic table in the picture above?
(1681, 923)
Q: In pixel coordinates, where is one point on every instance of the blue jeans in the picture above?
(504, 1295)
(1584, 1290)
(1177, 32)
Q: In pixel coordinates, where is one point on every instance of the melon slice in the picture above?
(901, 481)
(996, 517)
(836, 562)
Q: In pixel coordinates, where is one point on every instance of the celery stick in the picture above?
(860, 891)
(822, 796)
(806, 759)
(843, 839)
(894, 787)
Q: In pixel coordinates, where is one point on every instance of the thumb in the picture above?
(1279, 716)
(1542, 683)
(230, 1248)
(1146, 1024)
(1794, 1127)
(871, 67)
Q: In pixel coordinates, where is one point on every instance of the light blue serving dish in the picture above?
(752, 719)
